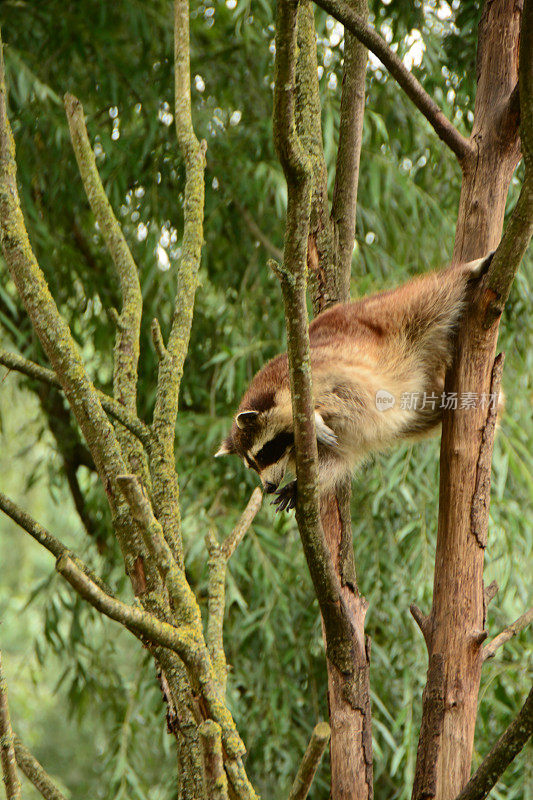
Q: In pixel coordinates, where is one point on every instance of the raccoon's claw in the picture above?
(286, 497)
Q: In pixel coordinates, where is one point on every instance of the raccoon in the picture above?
(378, 367)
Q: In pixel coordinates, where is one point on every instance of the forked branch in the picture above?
(112, 407)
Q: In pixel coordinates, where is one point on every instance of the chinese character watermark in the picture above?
(448, 401)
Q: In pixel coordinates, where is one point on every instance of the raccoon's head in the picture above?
(265, 442)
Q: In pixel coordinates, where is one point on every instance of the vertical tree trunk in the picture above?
(348, 695)
(454, 630)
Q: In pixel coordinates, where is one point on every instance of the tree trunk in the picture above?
(454, 631)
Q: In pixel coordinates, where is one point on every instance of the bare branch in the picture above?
(45, 538)
(230, 544)
(216, 783)
(166, 491)
(423, 622)
(183, 640)
(36, 773)
(311, 760)
(7, 749)
(508, 633)
(308, 119)
(442, 126)
(502, 754)
(519, 230)
(292, 275)
(112, 407)
(344, 204)
(256, 231)
(217, 564)
(129, 323)
(157, 339)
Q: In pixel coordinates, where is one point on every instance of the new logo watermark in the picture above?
(384, 400)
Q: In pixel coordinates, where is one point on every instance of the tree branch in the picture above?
(166, 491)
(184, 601)
(127, 343)
(344, 204)
(112, 407)
(45, 538)
(308, 119)
(311, 760)
(35, 772)
(126, 354)
(502, 754)
(519, 230)
(7, 749)
(256, 231)
(216, 783)
(219, 554)
(508, 633)
(292, 275)
(442, 126)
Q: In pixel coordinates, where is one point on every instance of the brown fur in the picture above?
(400, 341)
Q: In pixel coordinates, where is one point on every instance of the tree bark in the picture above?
(455, 628)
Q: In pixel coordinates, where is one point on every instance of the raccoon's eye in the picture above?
(273, 450)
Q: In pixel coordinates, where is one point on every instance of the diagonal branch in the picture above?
(508, 633)
(112, 407)
(310, 761)
(7, 749)
(35, 773)
(502, 754)
(166, 491)
(219, 554)
(366, 34)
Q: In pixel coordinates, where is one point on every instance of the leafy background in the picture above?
(84, 697)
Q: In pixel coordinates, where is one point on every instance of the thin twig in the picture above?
(232, 541)
(35, 773)
(366, 34)
(502, 754)
(130, 421)
(311, 760)
(256, 231)
(508, 633)
(7, 749)
(217, 566)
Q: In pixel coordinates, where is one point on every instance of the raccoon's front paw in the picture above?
(286, 497)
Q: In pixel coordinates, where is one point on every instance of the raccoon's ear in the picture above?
(245, 419)
(226, 448)
(324, 434)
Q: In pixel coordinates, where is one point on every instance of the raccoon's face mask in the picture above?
(257, 439)
(266, 445)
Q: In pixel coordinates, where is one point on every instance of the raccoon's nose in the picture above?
(270, 488)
